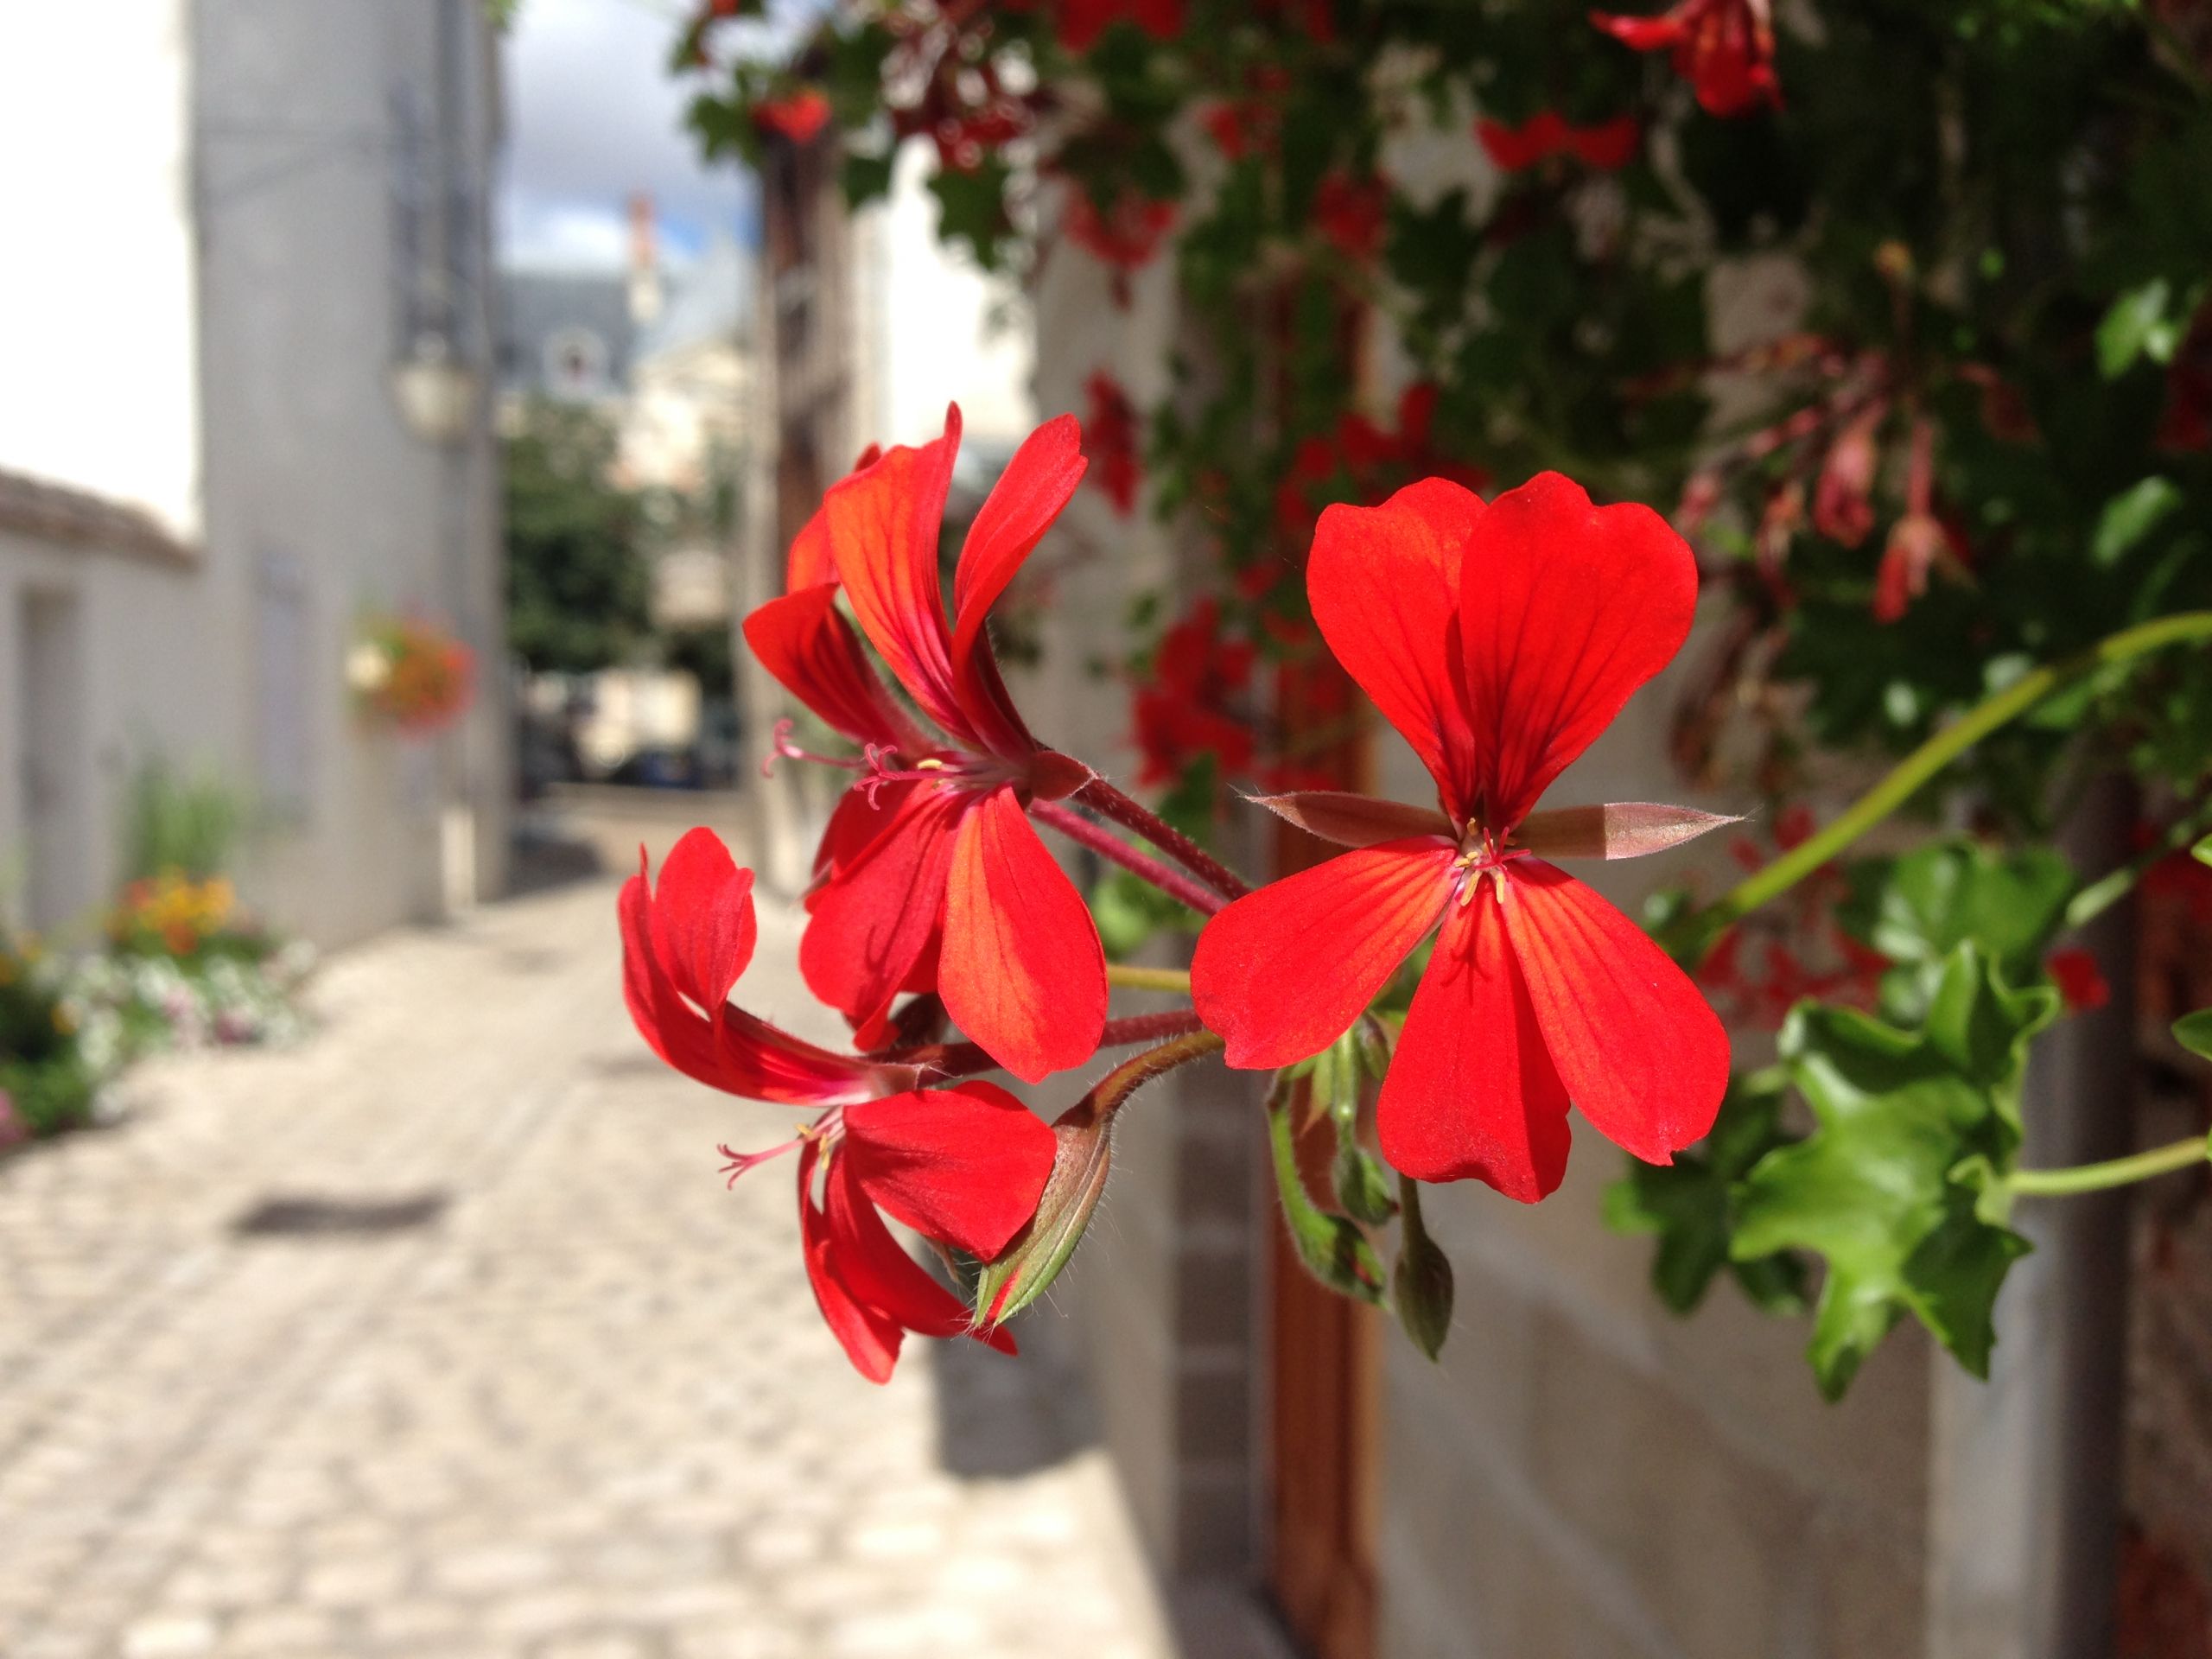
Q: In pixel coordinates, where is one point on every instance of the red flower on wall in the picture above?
(1724, 49)
(1350, 213)
(1082, 21)
(963, 1165)
(2081, 983)
(1183, 710)
(1112, 429)
(798, 117)
(1608, 146)
(1500, 641)
(934, 877)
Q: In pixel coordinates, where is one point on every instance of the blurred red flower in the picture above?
(1724, 49)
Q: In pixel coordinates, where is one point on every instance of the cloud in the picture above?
(593, 116)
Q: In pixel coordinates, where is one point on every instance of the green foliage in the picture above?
(1421, 1286)
(1918, 909)
(1888, 1188)
(577, 581)
(1690, 1205)
(187, 825)
(1333, 1248)
(2194, 1032)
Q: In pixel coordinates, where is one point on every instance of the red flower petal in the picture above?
(1021, 507)
(965, 1165)
(869, 1265)
(1565, 610)
(872, 919)
(1608, 146)
(1645, 1057)
(1021, 970)
(859, 818)
(1283, 972)
(702, 919)
(884, 524)
(805, 642)
(1384, 582)
(1471, 1092)
(871, 1339)
(733, 1051)
(809, 563)
(1640, 34)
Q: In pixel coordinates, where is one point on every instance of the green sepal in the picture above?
(1333, 1249)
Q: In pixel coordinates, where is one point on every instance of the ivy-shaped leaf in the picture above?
(1887, 1187)
(1689, 1204)
(1917, 910)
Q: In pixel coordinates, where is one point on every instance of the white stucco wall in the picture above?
(934, 327)
(314, 505)
(98, 282)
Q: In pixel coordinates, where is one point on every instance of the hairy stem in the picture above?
(2115, 1171)
(1694, 935)
(1134, 978)
(1111, 847)
(968, 1059)
(1104, 799)
(1138, 1069)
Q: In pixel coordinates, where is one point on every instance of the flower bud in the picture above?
(1420, 1283)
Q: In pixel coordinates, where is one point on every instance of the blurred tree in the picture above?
(577, 581)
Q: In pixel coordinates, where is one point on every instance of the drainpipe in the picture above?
(2025, 1488)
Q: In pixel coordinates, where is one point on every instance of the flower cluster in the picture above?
(171, 914)
(1499, 639)
(411, 672)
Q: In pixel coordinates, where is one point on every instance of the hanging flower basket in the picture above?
(411, 674)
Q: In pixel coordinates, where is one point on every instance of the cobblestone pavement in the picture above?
(586, 1411)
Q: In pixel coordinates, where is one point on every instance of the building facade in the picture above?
(252, 396)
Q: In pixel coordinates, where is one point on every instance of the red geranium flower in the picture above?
(963, 1165)
(1126, 236)
(1183, 712)
(2081, 983)
(798, 117)
(1113, 429)
(1499, 641)
(1608, 146)
(1082, 21)
(935, 878)
(1724, 49)
(1350, 213)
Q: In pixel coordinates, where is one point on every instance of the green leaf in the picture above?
(1913, 1126)
(2202, 851)
(2194, 1032)
(972, 208)
(1689, 1204)
(2130, 516)
(1333, 1248)
(1917, 910)
(865, 178)
(2135, 326)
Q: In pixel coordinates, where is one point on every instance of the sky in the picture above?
(592, 115)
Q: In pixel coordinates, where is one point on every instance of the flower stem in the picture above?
(1112, 848)
(2116, 1172)
(2108, 890)
(1138, 1069)
(1694, 935)
(969, 1059)
(1103, 798)
(1134, 978)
